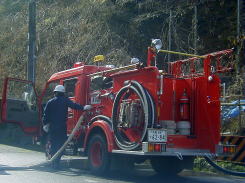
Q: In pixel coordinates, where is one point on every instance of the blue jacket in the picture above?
(56, 112)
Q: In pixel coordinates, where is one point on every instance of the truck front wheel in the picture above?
(98, 156)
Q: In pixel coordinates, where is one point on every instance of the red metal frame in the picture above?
(175, 67)
(151, 55)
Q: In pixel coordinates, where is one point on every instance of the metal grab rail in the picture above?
(175, 68)
(180, 53)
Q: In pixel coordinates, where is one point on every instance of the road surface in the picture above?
(19, 165)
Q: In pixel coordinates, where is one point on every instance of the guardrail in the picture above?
(239, 141)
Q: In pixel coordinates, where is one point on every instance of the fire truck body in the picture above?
(144, 111)
(121, 114)
(167, 108)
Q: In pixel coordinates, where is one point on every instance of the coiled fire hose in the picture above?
(224, 170)
(79, 122)
(148, 109)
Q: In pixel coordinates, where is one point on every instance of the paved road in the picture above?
(19, 165)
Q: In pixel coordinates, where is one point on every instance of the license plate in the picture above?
(157, 135)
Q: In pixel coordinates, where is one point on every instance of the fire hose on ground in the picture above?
(79, 122)
(224, 170)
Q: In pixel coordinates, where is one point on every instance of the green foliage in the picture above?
(11, 7)
(200, 164)
(71, 31)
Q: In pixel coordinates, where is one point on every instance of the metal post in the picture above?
(238, 58)
(224, 92)
(242, 14)
(169, 34)
(238, 36)
(195, 29)
(239, 116)
(31, 65)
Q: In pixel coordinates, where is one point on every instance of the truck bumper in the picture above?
(169, 152)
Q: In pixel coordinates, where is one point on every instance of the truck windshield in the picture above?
(22, 91)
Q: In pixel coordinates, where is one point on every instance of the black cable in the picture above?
(230, 172)
(148, 103)
(118, 137)
(148, 111)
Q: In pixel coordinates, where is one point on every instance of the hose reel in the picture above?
(133, 112)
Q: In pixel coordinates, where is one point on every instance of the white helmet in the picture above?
(59, 88)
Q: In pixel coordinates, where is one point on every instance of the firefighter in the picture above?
(54, 120)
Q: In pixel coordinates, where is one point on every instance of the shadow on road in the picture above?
(141, 176)
(136, 175)
(44, 168)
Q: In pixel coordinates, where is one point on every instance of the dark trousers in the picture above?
(57, 138)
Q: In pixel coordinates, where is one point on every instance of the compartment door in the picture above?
(19, 105)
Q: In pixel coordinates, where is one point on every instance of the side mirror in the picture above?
(134, 60)
(156, 44)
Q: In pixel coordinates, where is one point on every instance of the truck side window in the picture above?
(96, 83)
(22, 91)
(99, 83)
(70, 85)
(107, 82)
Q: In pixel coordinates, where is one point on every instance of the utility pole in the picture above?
(238, 36)
(242, 9)
(31, 64)
(195, 29)
(169, 34)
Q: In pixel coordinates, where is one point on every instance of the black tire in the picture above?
(170, 165)
(98, 156)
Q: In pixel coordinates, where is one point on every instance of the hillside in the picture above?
(74, 30)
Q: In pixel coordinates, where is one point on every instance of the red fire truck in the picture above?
(140, 112)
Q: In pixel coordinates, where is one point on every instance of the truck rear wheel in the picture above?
(98, 156)
(170, 165)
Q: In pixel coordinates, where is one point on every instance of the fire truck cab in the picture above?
(139, 111)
